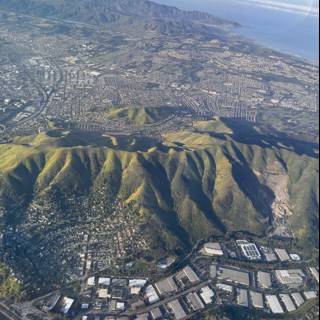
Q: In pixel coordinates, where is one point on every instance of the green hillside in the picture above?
(140, 115)
(194, 184)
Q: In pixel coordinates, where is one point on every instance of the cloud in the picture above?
(311, 8)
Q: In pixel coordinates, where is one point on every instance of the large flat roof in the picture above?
(177, 309)
(195, 301)
(166, 286)
(257, 299)
(298, 299)
(233, 275)
(274, 304)
(242, 298)
(282, 254)
(287, 301)
(192, 276)
(264, 279)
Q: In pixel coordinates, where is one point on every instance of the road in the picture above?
(7, 314)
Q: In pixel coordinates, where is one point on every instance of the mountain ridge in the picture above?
(106, 11)
(207, 177)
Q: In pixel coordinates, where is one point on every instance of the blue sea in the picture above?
(286, 25)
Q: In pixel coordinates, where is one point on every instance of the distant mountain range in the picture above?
(106, 11)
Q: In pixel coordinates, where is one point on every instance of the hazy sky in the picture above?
(310, 7)
(300, 6)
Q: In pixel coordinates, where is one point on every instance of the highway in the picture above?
(7, 314)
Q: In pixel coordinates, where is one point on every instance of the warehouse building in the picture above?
(166, 286)
(233, 275)
(177, 310)
(315, 273)
(207, 295)
(282, 255)
(256, 299)
(274, 304)
(264, 280)
(212, 249)
(298, 299)
(242, 298)
(194, 301)
(104, 282)
(287, 301)
(225, 287)
(310, 295)
(250, 251)
(268, 254)
(291, 278)
(187, 276)
(151, 295)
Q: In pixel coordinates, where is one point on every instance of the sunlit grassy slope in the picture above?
(140, 115)
(200, 182)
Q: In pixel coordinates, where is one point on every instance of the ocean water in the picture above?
(289, 26)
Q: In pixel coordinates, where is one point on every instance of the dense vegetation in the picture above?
(9, 286)
(197, 182)
(141, 115)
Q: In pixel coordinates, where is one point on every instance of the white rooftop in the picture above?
(287, 301)
(66, 305)
(310, 294)
(91, 281)
(207, 295)
(104, 281)
(274, 304)
(152, 295)
(298, 299)
(139, 283)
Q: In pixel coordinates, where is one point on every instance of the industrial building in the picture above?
(207, 295)
(166, 286)
(315, 273)
(65, 305)
(233, 275)
(187, 276)
(268, 254)
(264, 280)
(212, 249)
(177, 310)
(298, 299)
(282, 255)
(274, 304)
(151, 295)
(250, 251)
(256, 299)
(104, 282)
(103, 293)
(194, 301)
(310, 295)
(287, 301)
(91, 281)
(225, 287)
(291, 278)
(136, 285)
(242, 298)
